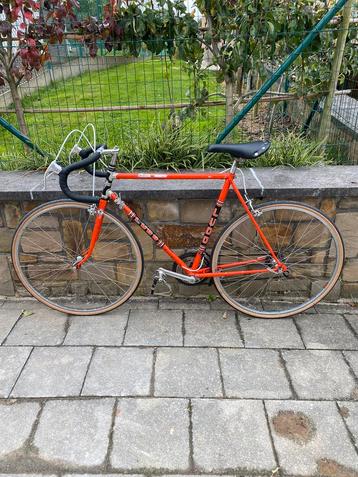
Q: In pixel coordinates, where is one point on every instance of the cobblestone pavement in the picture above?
(164, 387)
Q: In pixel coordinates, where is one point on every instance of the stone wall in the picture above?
(179, 217)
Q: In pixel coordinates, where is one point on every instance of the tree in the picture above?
(26, 29)
(336, 68)
(246, 36)
(243, 36)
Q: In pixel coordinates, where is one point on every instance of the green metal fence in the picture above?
(127, 98)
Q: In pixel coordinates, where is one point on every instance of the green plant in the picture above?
(292, 149)
(165, 148)
(172, 148)
(23, 161)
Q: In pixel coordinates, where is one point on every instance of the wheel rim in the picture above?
(52, 237)
(306, 242)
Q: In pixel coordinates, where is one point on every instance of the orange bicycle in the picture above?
(83, 260)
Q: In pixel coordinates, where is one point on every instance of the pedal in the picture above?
(159, 279)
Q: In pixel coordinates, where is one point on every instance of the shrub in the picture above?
(167, 148)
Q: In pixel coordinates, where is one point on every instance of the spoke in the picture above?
(260, 249)
(51, 276)
(98, 285)
(84, 228)
(41, 249)
(110, 279)
(302, 248)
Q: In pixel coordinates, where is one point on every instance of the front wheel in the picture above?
(53, 236)
(304, 239)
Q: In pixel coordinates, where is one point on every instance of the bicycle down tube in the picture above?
(195, 269)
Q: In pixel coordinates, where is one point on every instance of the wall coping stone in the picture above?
(325, 181)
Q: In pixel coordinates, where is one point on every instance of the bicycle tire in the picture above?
(295, 294)
(49, 239)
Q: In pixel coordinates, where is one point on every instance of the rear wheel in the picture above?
(304, 239)
(53, 236)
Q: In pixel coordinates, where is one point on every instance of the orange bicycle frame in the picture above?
(194, 270)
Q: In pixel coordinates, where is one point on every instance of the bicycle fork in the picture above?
(99, 212)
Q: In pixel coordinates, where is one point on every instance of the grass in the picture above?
(145, 139)
(143, 82)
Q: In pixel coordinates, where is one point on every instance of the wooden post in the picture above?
(336, 68)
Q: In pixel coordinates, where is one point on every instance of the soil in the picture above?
(344, 411)
(295, 426)
(331, 468)
(256, 126)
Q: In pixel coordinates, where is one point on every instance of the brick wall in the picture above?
(180, 222)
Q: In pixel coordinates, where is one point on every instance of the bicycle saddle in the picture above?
(249, 150)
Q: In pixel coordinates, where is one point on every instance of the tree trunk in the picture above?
(239, 81)
(229, 92)
(336, 67)
(248, 82)
(20, 115)
(257, 87)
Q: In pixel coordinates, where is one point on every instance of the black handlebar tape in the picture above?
(66, 171)
(85, 153)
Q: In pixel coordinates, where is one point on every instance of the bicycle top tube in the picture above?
(172, 176)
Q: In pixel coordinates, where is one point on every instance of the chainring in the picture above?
(188, 258)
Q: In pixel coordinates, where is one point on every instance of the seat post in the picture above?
(233, 167)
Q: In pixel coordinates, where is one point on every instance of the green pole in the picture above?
(20, 136)
(279, 72)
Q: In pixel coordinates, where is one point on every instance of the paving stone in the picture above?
(271, 305)
(12, 360)
(270, 333)
(251, 373)
(319, 374)
(99, 475)
(353, 321)
(231, 435)
(100, 330)
(335, 308)
(211, 328)
(195, 475)
(75, 432)
(220, 304)
(154, 328)
(44, 327)
(326, 331)
(184, 304)
(151, 434)
(119, 372)
(6, 284)
(140, 303)
(349, 412)
(16, 420)
(352, 357)
(8, 318)
(309, 437)
(191, 372)
(53, 372)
